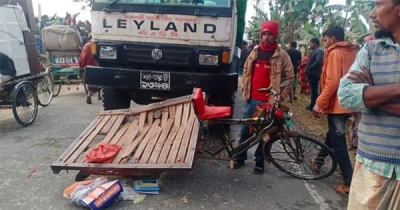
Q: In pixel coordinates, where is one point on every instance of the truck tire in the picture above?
(115, 99)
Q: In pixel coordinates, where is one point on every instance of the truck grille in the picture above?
(173, 56)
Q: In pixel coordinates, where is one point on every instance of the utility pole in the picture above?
(39, 11)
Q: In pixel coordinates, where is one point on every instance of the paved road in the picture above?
(211, 185)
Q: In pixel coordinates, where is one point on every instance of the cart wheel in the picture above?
(25, 105)
(56, 87)
(44, 90)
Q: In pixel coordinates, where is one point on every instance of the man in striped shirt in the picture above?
(373, 87)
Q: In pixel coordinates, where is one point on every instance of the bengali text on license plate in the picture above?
(155, 80)
(67, 60)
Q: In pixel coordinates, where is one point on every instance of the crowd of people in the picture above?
(343, 80)
(84, 28)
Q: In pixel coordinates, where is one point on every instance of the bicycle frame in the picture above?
(227, 143)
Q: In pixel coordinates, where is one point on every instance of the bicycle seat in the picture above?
(205, 112)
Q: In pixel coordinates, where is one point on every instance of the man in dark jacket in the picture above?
(7, 68)
(243, 56)
(295, 57)
(314, 70)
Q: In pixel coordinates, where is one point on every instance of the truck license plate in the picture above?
(68, 60)
(155, 80)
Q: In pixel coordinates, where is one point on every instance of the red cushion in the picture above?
(199, 101)
(208, 112)
(215, 112)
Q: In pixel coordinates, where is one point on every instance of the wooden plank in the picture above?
(126, 140)
(142, 120)
(131, 147)
(172, 112)
(167, 145)
(86, 141)
(185, 115)
(193, 140)
(150, 107)
(164, 120)
(120, 133)
(178, 115)
(175, 147)
(150, 117)
(153, 151)
(116, 168)
(82, 138)
(114, 129)
(154, 132)
(109, 124)
(186, 139)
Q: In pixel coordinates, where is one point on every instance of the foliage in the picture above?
(302, 20)
(88, 3)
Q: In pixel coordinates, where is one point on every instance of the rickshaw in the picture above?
(24, 94)
(63, 45)
(24, 89)
(165, 136)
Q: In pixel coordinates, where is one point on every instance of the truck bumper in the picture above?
(180, 82)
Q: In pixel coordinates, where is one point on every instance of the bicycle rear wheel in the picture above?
(44, 90)
(299, 155)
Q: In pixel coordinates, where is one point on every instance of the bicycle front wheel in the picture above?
(302, 157)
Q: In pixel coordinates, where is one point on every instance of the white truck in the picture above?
(157, 49)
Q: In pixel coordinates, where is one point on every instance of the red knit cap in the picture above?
(271, 27)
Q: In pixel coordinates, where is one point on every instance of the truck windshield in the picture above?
(198, 3)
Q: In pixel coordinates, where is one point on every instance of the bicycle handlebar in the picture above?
(276, 95)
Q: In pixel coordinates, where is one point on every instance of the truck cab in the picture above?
(157, 49)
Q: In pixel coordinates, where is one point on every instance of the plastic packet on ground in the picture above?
(129, 194)
(80, 190)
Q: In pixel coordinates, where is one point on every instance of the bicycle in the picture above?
(292, 153)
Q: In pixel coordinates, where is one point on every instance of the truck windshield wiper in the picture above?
(108, 9)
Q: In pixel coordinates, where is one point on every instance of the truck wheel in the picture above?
(115, 99)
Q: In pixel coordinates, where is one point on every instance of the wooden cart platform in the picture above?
(154, 138)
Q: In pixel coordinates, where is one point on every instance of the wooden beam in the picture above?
(126, 140)
(186, 139)
(86, 142)
(185, 115)
(142, 120)
(131, 147)
(167, 145)
(175, 147)
(178, 115)
(78, 142)
(108, 125)
(150, 107)
(154, 147)
(120, 133)
(114, 129)
(154, 132)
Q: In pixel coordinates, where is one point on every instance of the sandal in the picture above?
(314, 166)
(342, 189)
(259, 168)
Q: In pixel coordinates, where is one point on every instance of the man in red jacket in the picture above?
(266, 66)
(86, 59)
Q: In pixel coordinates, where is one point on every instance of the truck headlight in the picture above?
(208, 59)
(108, 52)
